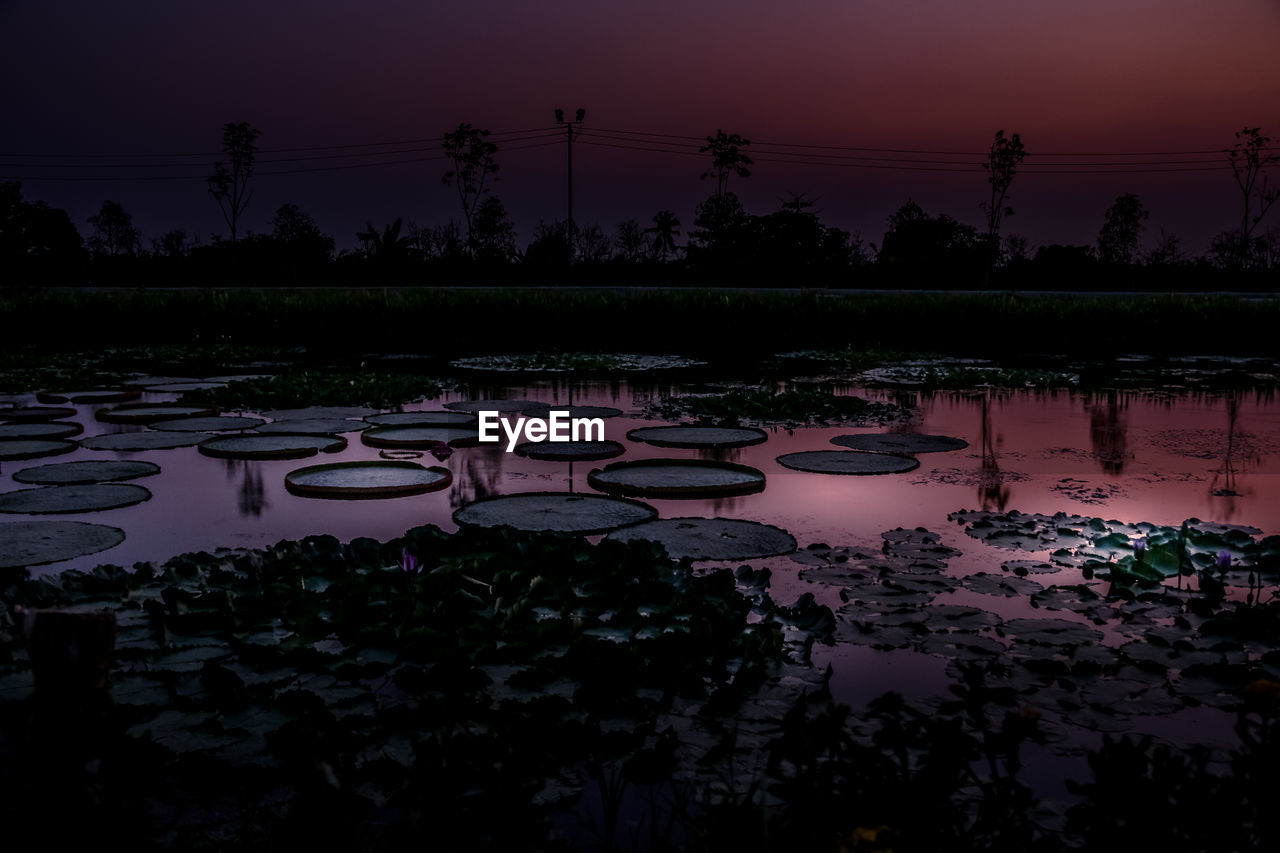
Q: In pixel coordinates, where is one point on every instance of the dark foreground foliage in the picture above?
(493, 690)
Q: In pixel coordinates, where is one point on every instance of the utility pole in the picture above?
(568, 126)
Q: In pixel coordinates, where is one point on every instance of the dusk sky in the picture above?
(1093, 77)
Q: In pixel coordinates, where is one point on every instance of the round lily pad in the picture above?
(699, 436)
(677, 478)
(904, 443)
(282, 446)
(41, 429)
(320, 412)
(26, 414)
(422, 419)
(570, 451)
(33, 448)
(388, 479)
(313, 426)
(562, 512)
(180, 387)
(105, 395)
(91, 471)
(143, 440)
(492, 405)
(573, 411)
(409, 437)
(31, 543)
(713, 538)
(148, 413)
(215, 424)
(847, 462)
(79, 498)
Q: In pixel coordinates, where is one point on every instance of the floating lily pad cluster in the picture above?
(455, 676)
(765, 406)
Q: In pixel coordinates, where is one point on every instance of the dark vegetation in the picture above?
(723, 241)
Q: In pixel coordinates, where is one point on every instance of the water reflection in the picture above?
(993, 492)
(251, 495)
(1109, 433)
(1239, 455)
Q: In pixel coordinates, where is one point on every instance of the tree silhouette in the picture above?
(1003, 158)
(385, 246)
(630, 240)
(113, 231)
(1250, 157)
(494, 236)
(727, 158)
(230, 186)
(665, 230)
(1121, 228)
(473, 163)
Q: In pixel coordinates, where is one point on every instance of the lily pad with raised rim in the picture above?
(422, 419)
(419, 437)
(573, 411)
(561, 512)
(475, 406)
(847, 462)
(87, 471)
(313, 426)
(91, 397)
(27, 414)
(40, 429)
(33, 543)
(712, 538)
(677, 478)
(909, 443)
(284, 446)
(149, 413)
(355, 412)
(699, 436)
(386, 479)
(136, 442)
(215, 424)
(33, 448)
(49, 500)
(570, 451)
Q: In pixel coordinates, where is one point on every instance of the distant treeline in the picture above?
(727, 245)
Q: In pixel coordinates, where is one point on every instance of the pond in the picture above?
(997, 536)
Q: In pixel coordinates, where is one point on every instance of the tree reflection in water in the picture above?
(251, 496)
(1109, 433)
(992, 490)
(1238, 455)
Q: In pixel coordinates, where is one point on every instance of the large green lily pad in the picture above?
(422, 419)
(366, 480)
(555, 511)
(474, 406)
(26, 414)
(570, 451)
(40, 429)
(89, 471)
(544, 411)
(282, 446)
(33, 448)
(909, 443)
(143, 440)
(313, 426)
(32, 543)
(217, 424)
(320, 412)
(847, 462)
(409, 437)
(104, 395)
(699, 436)
(677, 478)
(712, 538)
(47, 500)
(149, 413)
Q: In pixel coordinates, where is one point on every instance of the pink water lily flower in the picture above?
(409, 562)
(1223, 561)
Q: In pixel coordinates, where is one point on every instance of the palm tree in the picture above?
(386, 246)
(665, 230)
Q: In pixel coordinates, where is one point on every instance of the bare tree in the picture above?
(727, 158)
(1250, 157)
(473, 162)
(1003, 159)
(230, 186)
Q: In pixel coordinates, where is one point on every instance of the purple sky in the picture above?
(936, 75)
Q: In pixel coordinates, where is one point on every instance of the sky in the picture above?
(1085, 84)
